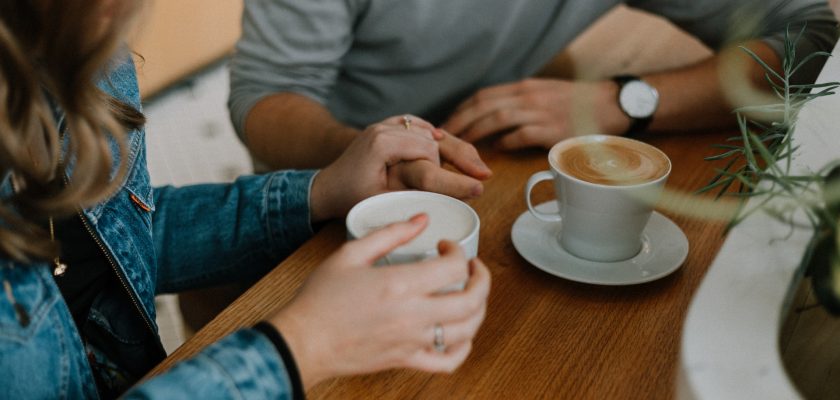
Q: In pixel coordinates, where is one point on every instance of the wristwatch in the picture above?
(638, 100)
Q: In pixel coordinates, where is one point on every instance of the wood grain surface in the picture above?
(544, 337)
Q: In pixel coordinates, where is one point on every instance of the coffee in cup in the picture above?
(606, 188)
(449, 219)
(613, 161)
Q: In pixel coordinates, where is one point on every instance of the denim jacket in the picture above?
(157, 241)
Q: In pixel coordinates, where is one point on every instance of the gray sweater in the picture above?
(366, 60)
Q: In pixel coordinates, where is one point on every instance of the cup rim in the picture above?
(599, 138)
(355, 234)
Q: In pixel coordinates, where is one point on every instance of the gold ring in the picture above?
(407, 121)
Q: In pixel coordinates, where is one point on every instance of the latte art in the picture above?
(615, 162)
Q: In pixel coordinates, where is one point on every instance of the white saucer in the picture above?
(664, 248)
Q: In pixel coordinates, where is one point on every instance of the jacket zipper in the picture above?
(117, 271)
(113, 265)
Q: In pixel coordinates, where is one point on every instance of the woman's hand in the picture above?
(362, 170)
(424, 175)
(352, 318)
(393, 155)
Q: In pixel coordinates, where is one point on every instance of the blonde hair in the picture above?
(52, 53)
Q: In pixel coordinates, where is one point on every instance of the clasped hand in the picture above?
(389, 156)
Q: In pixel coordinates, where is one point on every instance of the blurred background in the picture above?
(183, 49)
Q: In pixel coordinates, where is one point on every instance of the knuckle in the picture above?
(394, 287)
(380, 142)
(381, 128)
(501, 116)
(528, 135)
(532, 98)
(426, 180)
(375, 130)
(432, 146)
(474, 305)
(429, 133)
(402, 325)
(480, 98)
(527, 83)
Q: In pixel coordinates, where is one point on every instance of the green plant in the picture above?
(758, 165)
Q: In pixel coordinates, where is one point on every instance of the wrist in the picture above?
(611, 119)
(309, 366)
(319, 198)
(292, 371)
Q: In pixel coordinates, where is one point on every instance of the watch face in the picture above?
(638, 99)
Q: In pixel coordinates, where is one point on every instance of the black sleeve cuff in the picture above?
(291, 367)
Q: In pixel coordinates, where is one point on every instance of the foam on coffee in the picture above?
(447, 220)
(612, 161)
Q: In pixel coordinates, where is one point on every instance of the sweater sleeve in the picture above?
(288, 46)
(720, 22)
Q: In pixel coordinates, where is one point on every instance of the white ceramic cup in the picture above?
(600, 222)
(449, 219)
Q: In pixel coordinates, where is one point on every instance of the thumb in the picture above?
(367, 250)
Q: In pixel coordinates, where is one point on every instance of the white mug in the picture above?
(449, 219)
(600, 222)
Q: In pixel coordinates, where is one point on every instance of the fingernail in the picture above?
(437, 134)
(441, 246)
(477, 190)
(418, 219)
(446, 245)
(472, 265)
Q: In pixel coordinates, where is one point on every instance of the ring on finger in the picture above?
(407, 121)
(439, 344)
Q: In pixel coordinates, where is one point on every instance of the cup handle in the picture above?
(533, 181)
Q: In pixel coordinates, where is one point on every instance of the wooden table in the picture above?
(544, 337)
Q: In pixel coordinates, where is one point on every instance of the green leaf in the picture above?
(758, 144)
(720, 174)
(745, 135)
(716, 183)
(815, 85)
(725, 146)
(724, 155)
(761, 62)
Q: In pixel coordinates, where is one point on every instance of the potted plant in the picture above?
(758, 165)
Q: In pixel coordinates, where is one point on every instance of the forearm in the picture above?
(703, 96)
(700, 96)
(288, 130)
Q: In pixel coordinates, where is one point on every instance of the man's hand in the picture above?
(538, 112)
(425, 175)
